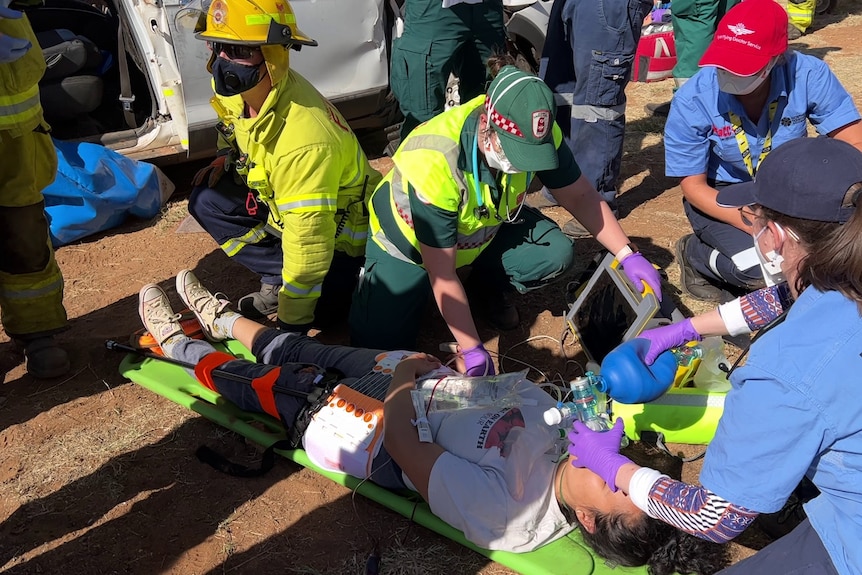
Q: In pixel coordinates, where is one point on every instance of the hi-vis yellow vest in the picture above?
(428, 161)
(20, 109)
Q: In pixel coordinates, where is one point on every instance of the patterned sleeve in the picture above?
(764, 305)
(697, 511)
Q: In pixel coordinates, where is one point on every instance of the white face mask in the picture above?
(498, 161)
(742, 85)
(770, 263)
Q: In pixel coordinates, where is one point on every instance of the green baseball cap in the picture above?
(521, 109)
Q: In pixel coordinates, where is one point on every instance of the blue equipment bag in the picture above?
(96, 189)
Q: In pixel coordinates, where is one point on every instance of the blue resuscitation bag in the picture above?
(96, 189)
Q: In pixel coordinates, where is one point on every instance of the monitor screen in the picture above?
(604, 317)
(607, 311)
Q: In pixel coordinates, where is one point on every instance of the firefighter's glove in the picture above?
(210, 175)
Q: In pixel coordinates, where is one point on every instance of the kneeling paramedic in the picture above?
(285, 197)
(455, 198)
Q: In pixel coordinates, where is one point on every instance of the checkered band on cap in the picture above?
(501, 121)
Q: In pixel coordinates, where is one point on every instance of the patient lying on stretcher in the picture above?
(498, 473)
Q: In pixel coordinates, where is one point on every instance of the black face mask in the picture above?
(233, 78)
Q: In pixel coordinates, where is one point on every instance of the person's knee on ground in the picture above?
(709, 275)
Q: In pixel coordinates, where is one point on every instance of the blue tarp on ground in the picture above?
(96, 189)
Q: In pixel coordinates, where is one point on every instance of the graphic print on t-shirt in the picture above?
(500, 429)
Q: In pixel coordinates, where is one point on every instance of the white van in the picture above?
(120, 74)
(157, 105)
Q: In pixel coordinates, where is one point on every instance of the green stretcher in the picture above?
(566, 556)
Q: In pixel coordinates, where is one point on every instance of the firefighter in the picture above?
(285, 196)
(31, 284)
(801, 15)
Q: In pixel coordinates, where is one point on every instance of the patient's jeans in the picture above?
(277, 348)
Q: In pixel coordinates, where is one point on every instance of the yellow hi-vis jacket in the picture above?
(305, 163)
(20, 109)
(427, 160)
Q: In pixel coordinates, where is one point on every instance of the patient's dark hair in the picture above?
(497, 61)
(662, 548)
(834, 253)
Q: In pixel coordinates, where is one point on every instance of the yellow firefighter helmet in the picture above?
(247, 22)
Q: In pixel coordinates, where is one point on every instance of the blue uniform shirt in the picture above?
(699, 137)
(795, 409)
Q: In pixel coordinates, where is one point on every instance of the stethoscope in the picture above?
(481, 210)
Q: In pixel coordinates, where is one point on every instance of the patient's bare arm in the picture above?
(400, 437)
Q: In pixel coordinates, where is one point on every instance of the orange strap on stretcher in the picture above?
(262, 386)
(204, 368)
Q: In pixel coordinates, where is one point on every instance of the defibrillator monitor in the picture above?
(609, 311)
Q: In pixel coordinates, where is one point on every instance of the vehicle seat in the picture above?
(72, 85)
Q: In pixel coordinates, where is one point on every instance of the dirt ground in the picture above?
(98, 475)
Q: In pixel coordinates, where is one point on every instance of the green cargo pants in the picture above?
(391, 298)
(435, 42)
(694, 24)
(31, 285)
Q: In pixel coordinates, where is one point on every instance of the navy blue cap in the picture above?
(805, 178)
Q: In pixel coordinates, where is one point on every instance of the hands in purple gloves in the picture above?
(598, 451)
(667, 336)
(477, 361)
(11, 48)
(640, 271)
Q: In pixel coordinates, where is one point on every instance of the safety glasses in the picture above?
(747, 215)
(235, 51)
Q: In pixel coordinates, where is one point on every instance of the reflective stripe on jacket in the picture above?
(306, 164)
(427, 161)
(20, 109)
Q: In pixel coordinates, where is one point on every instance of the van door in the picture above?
(350, 63)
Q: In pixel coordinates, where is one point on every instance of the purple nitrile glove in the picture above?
(598, 451)
(477, 361)
(6, 12)
(640, 271)
(667, 336)
(12, 48)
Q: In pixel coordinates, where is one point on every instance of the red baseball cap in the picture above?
(749, 35)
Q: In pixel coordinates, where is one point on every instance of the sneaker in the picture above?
(206, 306)
(692, 282)
(157, 315)
(659, 110)
(542, 199)
(576, 231)
(45, 359)
(260, 304)
(793, 33)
